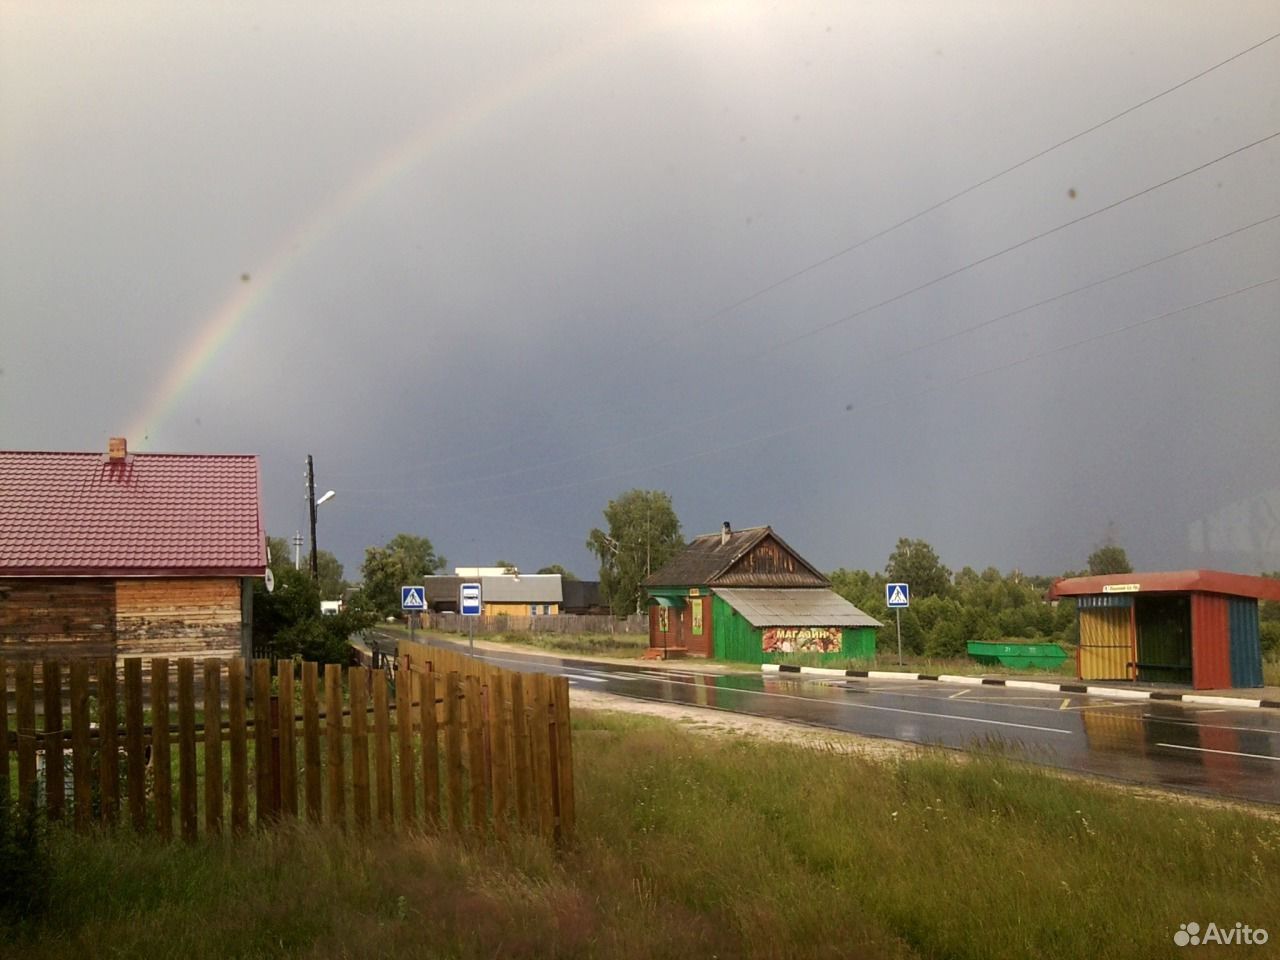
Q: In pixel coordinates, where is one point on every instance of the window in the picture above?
(695, 608)
(663, 622)
(533, 609)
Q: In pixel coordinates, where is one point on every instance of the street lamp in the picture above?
(328, 496)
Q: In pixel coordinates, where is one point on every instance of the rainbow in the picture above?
(216, 332)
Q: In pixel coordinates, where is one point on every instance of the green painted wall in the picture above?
(733, 638)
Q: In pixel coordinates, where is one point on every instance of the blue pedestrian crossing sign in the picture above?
(897, 595)
(413, 598)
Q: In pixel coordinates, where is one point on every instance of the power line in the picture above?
(886, 401)
(711, 418)
(774, 285)
(844, 251)
(778, 345)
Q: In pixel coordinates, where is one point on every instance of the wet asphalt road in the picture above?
(1228, 753)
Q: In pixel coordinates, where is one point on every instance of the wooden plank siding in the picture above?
(60, 619)
(96, 618)
(173, 617)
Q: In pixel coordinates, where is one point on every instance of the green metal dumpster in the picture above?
(1018, 656)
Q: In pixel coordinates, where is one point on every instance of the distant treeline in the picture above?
(947, 611)
(971, 606)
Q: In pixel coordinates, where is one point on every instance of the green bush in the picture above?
(26, 873)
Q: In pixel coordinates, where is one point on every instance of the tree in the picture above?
(556, 568)
(644, 533)
(330, 570)
(288, 622)
(916, 563)
(507, 566)
(1108, 558)
(404, 560)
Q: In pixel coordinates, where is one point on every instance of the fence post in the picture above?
(4, 727)
(286, 723)
(24, 692)
(239, 748)
(311, 740)
(108, 754)
(357, 687)
(212, 748)
(382, 748)
(564, 759)
(453, 747)
(404, 740)
(264, 770)
(187, 747)
(476, 766)
(133, 741)
(162, 771)
(540, 732)
(520, 749)
(54, 785)
(429, 734)
(333, 743)
(499, 757)
(80, 769)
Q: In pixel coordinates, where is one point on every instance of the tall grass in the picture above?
(692, 846)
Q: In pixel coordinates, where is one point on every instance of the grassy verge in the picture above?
(698, 846)
(1271, 672)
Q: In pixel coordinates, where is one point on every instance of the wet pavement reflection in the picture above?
(1228, 753)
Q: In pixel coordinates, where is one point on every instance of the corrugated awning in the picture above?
(797, 607)
(668, 601)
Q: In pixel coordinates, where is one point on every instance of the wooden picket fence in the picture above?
(455, 744)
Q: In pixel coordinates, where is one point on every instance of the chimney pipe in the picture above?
(724, 533)
(117, 448)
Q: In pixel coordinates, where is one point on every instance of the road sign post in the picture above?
(470, 606)
(897, 596)
(413, 600)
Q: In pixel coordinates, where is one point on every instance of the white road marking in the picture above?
(811, 700)
(1229, 753)
(575, 676)
(1066, 702)
(959, 693)
(1211, 726)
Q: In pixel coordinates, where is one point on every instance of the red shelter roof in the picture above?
(147, 514)
(1178, 581)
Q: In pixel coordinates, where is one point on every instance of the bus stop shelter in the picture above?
(1194, 627)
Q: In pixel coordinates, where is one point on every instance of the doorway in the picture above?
(1164, 638)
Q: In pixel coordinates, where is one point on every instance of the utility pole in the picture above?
(311, 507)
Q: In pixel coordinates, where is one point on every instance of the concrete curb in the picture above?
(1121, 693)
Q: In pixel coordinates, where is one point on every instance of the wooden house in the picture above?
(128, 554)
(745, 595)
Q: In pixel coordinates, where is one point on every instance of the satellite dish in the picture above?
(270, 580)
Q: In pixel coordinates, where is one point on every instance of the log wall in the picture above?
(85, 617)
(173, 617)
(58, 619)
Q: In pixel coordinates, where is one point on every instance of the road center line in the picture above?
(1229, 753)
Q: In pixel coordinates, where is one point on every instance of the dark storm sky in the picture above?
(476, 261)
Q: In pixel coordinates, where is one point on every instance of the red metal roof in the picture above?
(150, 514)
(1178, 581)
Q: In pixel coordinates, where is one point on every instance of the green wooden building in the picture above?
(745, 595)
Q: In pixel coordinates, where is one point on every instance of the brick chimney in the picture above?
(724, 533)
(117, 449)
